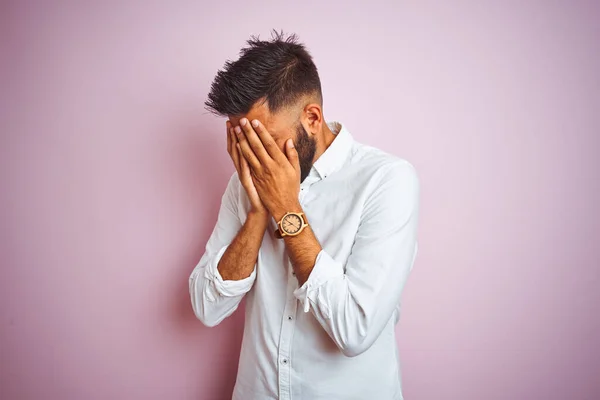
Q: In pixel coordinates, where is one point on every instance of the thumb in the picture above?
(292, 154)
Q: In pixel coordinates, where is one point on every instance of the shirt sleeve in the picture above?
(354, 301)
(214, 299)
(228, 288)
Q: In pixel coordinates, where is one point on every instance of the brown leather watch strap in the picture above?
(278, 234)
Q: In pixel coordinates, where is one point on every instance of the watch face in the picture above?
(291, 224)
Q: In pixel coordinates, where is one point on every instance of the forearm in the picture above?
(240, 257)
(302, 249)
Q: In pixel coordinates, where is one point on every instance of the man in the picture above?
(317, 230)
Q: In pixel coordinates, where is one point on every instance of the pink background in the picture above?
(112, 173)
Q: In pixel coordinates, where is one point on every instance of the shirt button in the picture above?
(290, 317)
(285, 361)
(294, 273)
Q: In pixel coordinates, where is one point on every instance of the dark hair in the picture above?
(280, 71)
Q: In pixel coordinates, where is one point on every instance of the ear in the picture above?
(313, 118)
(234, 120)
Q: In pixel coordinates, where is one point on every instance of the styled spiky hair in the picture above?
(279, 71)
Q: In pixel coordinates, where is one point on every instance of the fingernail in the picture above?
(255, 123)
(238, 130)
(243, 121)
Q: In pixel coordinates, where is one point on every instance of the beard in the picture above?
(306, 148)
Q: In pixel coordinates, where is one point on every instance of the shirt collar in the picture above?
(334, 156)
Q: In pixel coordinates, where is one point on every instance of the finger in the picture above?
(228, 124)
(235, 154)
(292, 155)
(247, 151)
(244, 167)
(254, 141)
(268, 142)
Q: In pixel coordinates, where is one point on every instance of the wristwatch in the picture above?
(291, 224)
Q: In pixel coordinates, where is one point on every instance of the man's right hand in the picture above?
(243, 170)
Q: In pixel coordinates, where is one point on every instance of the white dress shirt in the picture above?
(333, 338)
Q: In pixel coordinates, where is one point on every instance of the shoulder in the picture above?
(234, 183)
(233, 189)
(391, 185)
(236, 195)
(380, 167)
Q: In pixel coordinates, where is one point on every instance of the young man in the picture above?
(318, 231)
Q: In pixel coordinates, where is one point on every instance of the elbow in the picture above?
(355, 343)
(357, 339)
(203, 312)
(212, 305)
(354, 348)
(209, 320)
(361, 337)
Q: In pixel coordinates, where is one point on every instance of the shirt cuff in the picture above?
(228, 288)
(325, 269)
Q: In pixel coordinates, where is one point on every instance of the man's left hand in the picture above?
(276, 175)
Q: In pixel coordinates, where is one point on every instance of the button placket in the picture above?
(302, 194)
(288, 324)
(285, 339)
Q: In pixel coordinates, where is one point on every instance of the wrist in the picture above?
(258, 217)
(281, 211)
